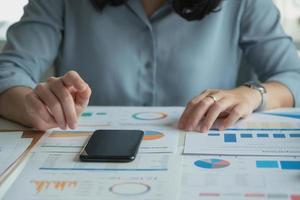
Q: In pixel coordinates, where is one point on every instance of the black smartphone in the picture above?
(112, 146)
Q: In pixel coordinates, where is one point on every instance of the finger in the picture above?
(214, 112)
(189, 107)
(82, 98)
(225, 113)
(198, 113)
(41, 118)
(67, 102)
(72, 79)
(236, 114)
(53, 104)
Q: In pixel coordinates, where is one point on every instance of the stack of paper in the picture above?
(11, 148)
(256, 159)
(55, 172)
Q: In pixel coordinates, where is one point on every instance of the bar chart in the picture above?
(245, 142)
(281, 164)
(232, 137)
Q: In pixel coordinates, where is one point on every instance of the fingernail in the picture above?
(61, 126)
(71, 126)
(190, 128)
(74, 126)
(83, 87)
(221, 128)
(204, 129)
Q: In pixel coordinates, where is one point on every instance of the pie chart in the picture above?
(149, 115)
(212, 163)
(129, 189)
(152, 135)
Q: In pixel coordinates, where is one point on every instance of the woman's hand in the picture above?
(228, 105)
(57, 102)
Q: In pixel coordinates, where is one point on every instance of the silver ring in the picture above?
(213, 98)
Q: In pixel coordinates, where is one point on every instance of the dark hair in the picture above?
(188, 9)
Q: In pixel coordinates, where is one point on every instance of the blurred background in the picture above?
(11, 11)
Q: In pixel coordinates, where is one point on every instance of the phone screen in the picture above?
(112, 146)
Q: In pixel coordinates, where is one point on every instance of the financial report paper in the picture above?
(240, 178)
(60, 176)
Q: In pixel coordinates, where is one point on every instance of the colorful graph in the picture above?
(130, 189)
(59, 134)
(149, 115)
(153, 135)
(212, 163)
(283, 164)
(41, 185)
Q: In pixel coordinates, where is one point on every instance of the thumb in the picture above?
(82, 97)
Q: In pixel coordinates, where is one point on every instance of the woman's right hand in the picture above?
(58, 102)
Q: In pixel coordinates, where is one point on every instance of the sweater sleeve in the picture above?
(267, 48)
(32, 44)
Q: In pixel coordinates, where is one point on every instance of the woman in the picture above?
(146, 53)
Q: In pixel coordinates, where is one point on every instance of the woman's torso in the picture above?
(128, 59)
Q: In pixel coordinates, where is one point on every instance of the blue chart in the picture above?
(294, 115)
(212, 163)
(264, 143)
(275, 164)
(234, 137)
(90, 114)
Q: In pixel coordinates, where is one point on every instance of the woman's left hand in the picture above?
(230, 105)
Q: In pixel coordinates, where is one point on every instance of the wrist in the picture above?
(12, 104)
(259, 88)
(249, 95)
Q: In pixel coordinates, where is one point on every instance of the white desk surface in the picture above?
(7, 125)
